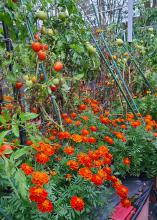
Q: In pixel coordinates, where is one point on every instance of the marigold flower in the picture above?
(68, 121)
(105, 120)
(68, 176)
(77, 123)
(122, 191)
(93, 128)
(85, 173)
(69, 150)
(77, 203)
(40, 178)
(85, 118)
(108, 170)
(73, 165)
(97, 163)
(73, 115)
(52, 138)
(94, 155)
(135, 124)
(82, 107)
(45, 206)
(85, 132)
(37, 194)
(126, 161)
(109, 140)
(76, 138)
(102, 174)
(123, 127)
(28, 170)
(97, 180)
(42, 158)
(91, 140)
(126, 203)
(63, 135)
(84, 159)
(64, 115)
(103, 150)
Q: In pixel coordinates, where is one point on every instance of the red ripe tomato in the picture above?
(29, 142)
(53, 88)
(42, 77)
(36, 46)
(58, 66)
(19, 85)
(36, 36)
(5, 147)
(44, 47)
(41, 55)
(34, 110)
(64, 115)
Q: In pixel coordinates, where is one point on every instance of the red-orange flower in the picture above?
(122, 191)
(76, 138)
(63, 135)
(82, 107)
(73, 115)
(40, 178)
(105, 120)
(109, 140)
(85, 132)
(37, 194)
(42, 158)
(84, 159)
(97, 180)
(69, 150)
(91, 140)
(68, 176)
(126, 203)
(73, 164)
(77, 203)
(135, 124)
(45, 206)
(68, 120)
(93, 128)
(85, 172)
(77, 123)
(85, 118)
(126, 161)
(28, 170)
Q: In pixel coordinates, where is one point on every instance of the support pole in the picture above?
(130, 20)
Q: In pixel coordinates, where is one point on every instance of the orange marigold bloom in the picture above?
(68, 176)
(69, 150)
(73, 164)
(126, 203)
(76, 138)
(63, 135)
(109, 140)
(103, 150)
(85, 173)
(28, 170)
(77, 203)
(48, 150)
(91, 140)
(40, 178)
(94, 155)
(155, 134)
(73, 115)
(37, 194)
(82, 107)
(85, 132)
(105, 120)
(97, 163)
(149, 128)
(93, 128)
(135, 124)
(102, 174)
(84, 159)
(123, 127)
(8, 98)
(77, 123)
(97, 180)
(45, 206)
(68, 121)
(107, 161)
(42, 158)
(120, 135)
(87, 100)
(108, 170)
(84, 117)
(122, 191)
(126, 161)
(52, 138)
